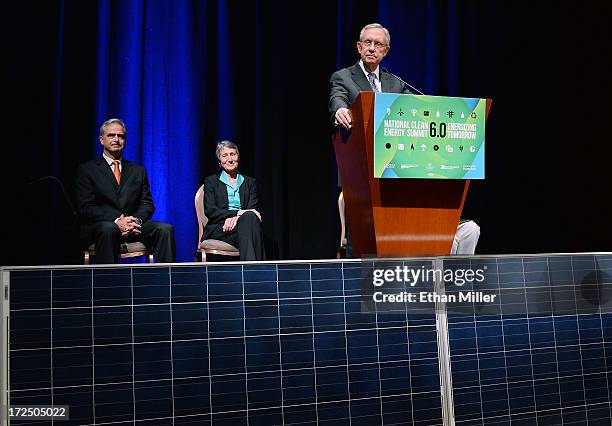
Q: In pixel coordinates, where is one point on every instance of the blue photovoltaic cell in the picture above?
(291, 343)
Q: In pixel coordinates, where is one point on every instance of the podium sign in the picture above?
(429, 137)
(390, 217)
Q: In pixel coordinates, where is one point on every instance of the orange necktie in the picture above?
(117, 171)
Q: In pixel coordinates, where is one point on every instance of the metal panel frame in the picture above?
(4, 340)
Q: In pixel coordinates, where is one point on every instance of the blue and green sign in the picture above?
(429, 137)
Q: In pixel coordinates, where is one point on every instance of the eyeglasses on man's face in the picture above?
(377, 44)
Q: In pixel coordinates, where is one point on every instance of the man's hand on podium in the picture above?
(343, 118)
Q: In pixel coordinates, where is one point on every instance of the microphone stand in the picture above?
(403, 82)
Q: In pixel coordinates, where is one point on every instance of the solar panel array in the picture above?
(274, 344)
(291, 343)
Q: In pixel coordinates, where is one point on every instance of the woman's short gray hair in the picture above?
(226, 144)
(112, 121)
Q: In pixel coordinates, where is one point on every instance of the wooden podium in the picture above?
(390, 217)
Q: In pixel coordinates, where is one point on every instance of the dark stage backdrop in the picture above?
(186, 74)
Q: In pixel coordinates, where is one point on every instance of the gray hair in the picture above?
(112, 121)
(380, 27)
(226, 144)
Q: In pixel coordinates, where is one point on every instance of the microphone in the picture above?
(403, 82)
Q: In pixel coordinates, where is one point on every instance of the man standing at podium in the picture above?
(367, 76)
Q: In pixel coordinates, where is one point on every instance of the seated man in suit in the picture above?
(231, 206)
(367, 76)
(115, 202)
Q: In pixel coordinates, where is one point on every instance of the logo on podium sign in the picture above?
(441, 137)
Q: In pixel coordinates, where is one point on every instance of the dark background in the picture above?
(258, 73)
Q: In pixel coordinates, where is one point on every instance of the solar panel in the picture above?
(293, 343)
(267, 344)
(542, 354)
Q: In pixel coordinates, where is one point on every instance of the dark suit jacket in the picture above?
(216, 204)
(101, 199)
(348, 82)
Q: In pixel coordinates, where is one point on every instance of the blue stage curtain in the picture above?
(150, 73)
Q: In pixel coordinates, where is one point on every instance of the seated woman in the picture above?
(230, 204)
